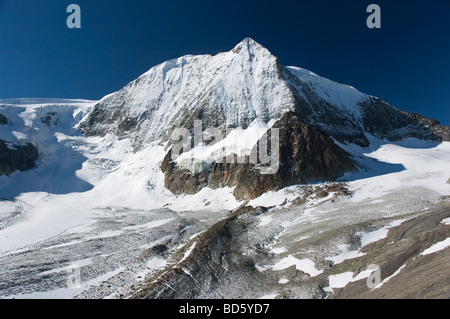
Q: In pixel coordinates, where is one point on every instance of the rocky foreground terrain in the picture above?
(231, 260)
(406, 271)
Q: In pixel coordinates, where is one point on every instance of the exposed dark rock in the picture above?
(385, 121)
(49, 119)
(17, 158)
(306, 155)
(434, 125)
(321, 193)
(98, 115)
(248, 181)
(3, 120)
(337, 189)
(127, 124)
(300, 200)
(180, 181)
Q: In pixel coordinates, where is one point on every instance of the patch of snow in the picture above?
(436, 247)
(219, 199)
(391, 166)
(278, 250)
(374, 236)
(265, 220)
(153, 264)
(261, 268)
(77, 263)
(341, 95)
(343, 279)
(345, 254)
(340, 280)
(389, 278)
(188, 252)
(305, 265)
(286, 224)
(19, 135)
(106, 234)
(238, 141)
(363, 274)
(366, 239)
(276, 198)
(71, 243)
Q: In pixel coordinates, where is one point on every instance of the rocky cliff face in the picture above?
(3, 120)
(348, 115)
(306, 155)
(443, 132)
(384, 121)
(16, 157)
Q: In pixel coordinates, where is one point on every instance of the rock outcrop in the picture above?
(306, 155)
(3, 120)
(17, 157)
(387, 122)
(442, 131)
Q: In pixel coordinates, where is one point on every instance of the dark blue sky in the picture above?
(406, 62)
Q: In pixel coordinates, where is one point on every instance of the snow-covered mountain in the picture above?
(233, 89)
(230, 89)
(244, 93)
(244, 89)
(95, 184)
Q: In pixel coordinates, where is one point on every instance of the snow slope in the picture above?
(347, 98)
(76, 174)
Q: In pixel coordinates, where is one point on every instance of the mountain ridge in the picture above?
(236, 89)
(271, 90)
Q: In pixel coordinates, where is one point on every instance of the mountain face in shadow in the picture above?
(17, 157)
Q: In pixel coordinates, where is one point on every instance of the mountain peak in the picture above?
(248, 45)
(235, 88)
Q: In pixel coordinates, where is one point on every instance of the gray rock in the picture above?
(17, 158)
(217, 266)
(3, 120)
(307, 155)
(420, 277)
